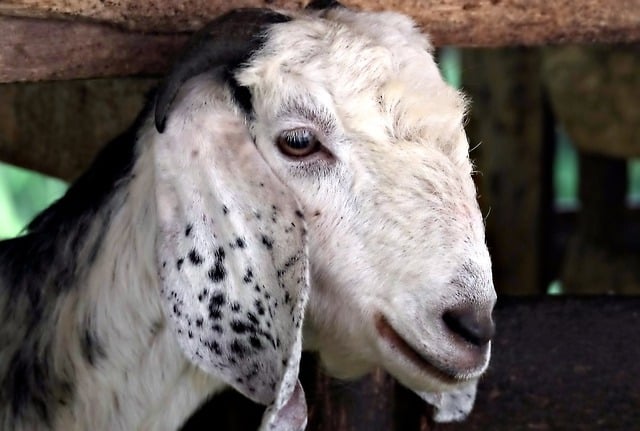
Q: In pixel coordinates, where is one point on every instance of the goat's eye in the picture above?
(298, 142)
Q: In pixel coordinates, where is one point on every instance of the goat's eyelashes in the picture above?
(298, 143)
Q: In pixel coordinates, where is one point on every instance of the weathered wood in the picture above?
(158, 16)
(594, 92)
(600, 258)
(506, 128)
(37, 50)
(460, 22)
(561, 364)
(34, 50)
(57, 127)
(558, 364)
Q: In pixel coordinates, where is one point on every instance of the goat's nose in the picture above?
(471, 323)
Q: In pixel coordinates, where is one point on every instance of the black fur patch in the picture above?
(92, 349)
(38, 269)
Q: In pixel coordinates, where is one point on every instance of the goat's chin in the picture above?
(427, 371)
(344, 368)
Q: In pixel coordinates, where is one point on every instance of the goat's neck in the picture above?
(129, 371)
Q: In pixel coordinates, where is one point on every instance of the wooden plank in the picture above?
(601, 256)
(36, 49)
(57, 127)
(558, 364)
(460, 22)
(506, 128)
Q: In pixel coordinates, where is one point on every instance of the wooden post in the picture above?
(594, 94)
(507, 126)
(599, 258)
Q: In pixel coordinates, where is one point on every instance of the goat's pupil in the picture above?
(298, 142)
(299, 139)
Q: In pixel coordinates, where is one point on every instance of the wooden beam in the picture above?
(36, 50)
(99, 39)
(557, 364)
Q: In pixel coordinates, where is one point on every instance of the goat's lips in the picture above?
(396, 341)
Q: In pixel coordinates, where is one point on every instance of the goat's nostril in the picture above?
(471, 324)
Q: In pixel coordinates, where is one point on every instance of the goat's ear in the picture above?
(231, 252)
(452, 406)
(225, 42)
(323, 4)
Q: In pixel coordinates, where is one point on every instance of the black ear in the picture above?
(323, 4)
(226, 42)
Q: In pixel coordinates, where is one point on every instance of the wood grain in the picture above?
(69, 39)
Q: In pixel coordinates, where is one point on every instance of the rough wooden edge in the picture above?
(35, 50)
(101, 39)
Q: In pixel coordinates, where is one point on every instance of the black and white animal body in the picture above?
(299, 180)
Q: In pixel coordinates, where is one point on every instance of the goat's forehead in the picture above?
(366, 47)
(374, 71)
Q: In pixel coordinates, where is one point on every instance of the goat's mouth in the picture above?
(394, 340)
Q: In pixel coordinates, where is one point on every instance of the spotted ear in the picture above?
(452, 406)
(231, 249)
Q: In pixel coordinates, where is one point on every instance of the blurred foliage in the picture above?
(565, 172)
(23, 194)
(634, 182)
(449, 62)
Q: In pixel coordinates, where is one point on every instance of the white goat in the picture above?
(179, 263)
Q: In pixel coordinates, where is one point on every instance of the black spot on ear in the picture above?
(239, 327)
(252, 318)
(176, 310)
(239, 348)
(255, 342)
(259, 307)
(217, 273)
(195, 258)
(213, 346)
(218, 299)
(267, 242)
(220, 254)
(202, 295)
(248, 276)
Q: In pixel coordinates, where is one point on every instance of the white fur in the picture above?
(397, 215)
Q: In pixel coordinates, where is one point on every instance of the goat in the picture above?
(292, 163)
